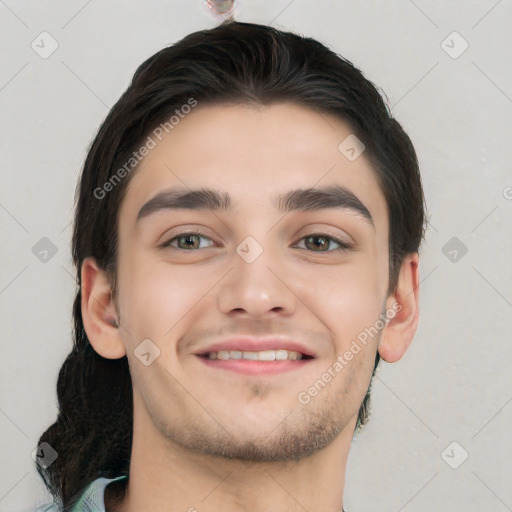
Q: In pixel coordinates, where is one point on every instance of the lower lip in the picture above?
(251, 367)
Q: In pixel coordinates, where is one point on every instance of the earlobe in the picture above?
(402, 311)
(99, 314)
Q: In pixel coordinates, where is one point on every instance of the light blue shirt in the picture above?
(91, 500)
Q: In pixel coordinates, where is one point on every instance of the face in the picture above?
(265, 278)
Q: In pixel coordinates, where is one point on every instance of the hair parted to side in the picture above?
(232, 63)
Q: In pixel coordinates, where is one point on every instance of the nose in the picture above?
(257, 288)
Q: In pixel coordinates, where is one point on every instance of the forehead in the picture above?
(254, 154)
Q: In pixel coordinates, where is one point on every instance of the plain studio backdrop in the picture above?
(439, 435)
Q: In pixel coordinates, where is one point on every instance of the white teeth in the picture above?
(262, 355)
(250, 355)
(267, 355)
(281, 355)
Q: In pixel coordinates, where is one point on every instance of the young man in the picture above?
(246, 240)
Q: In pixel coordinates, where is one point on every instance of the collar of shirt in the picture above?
(93, 498)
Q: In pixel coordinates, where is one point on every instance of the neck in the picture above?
(167, 477)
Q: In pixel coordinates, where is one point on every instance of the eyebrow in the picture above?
(308, 199)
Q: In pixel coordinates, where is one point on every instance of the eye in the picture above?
(322, 241)
(187, 241)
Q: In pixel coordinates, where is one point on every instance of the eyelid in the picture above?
(344, 245)
(166, 243)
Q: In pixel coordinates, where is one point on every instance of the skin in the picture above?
(185, 413)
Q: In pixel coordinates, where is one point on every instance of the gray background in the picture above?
(454, 383)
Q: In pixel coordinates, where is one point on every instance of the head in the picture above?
(253, 112)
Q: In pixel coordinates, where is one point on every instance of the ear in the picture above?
(402, 308)
(98, 311)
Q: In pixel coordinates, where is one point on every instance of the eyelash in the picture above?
(344, 246)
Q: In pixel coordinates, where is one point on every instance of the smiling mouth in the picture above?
(256, 363)
(261, 355)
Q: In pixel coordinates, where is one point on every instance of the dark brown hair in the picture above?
(231, 63)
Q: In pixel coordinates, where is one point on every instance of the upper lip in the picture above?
(245, 343)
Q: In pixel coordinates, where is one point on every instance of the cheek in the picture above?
(154, 298)
(351, 301)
